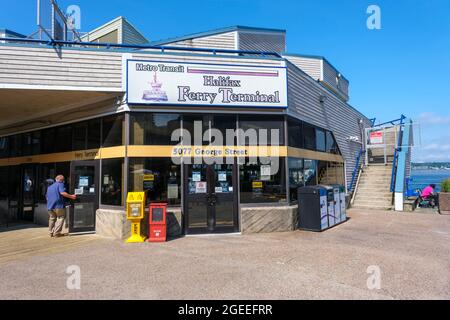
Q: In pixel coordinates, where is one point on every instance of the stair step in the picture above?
(371, 207)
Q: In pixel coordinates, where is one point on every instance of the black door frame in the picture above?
(21, 205)
(211, 209)
(73, 164)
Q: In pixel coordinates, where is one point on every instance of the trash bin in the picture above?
(312, 208)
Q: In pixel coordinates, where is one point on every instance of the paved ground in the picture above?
(412, 251)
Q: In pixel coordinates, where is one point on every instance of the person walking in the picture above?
(55, 206)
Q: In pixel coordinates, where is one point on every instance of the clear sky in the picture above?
(402, 68)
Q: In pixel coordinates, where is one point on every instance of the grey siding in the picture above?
(329, 78)
(130, 34)
(335, 114)
(262, 41)
(65, 67)
(225, 40)
(311, 66)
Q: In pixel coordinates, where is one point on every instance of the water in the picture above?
(421, 178)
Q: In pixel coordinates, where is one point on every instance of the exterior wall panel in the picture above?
(334, 114)
(219, 41)
(260, 41)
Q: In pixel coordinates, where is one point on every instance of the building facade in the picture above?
(115, 120)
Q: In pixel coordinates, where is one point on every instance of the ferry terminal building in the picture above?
(104, 118)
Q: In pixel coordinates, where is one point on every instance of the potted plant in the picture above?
(444, 197)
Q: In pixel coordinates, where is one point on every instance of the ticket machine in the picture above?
(157, 228)
(135, 213)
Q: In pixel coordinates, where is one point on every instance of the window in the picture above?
(263, 122)
(222, 123)
(4, 186)
(113, 131)
(309, 134)
(295, 136)
(262, 182)
(331, 144)
(158, 177)
(153, 128)
(63, 138)
(4, 147)
(36, 142)
(79, 136)
(310, 172)
(111, 182)
(189, 122)
(320, 140)
(296, 176)
(48, 140)
(93, 134)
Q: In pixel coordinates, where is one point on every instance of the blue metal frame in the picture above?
(397, 150)
(355, 171)
(139, 47)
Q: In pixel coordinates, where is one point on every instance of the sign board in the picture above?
(201, 84)
(376, 137)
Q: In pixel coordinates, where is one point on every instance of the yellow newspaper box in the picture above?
(135, 213)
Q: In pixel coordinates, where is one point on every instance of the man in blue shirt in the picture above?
(55, 206)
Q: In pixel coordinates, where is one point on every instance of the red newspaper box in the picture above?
(157, 222)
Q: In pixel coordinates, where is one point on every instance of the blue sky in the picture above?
(402, 68)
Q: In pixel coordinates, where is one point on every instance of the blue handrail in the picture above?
(397, 149)
(355, 171)
(400, 120)
(134, 46)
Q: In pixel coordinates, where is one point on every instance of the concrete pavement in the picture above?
(412, 252)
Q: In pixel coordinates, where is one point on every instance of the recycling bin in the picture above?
(312, 208)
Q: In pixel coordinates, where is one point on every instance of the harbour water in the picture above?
(421, 178)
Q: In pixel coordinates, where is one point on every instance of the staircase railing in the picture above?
(356, 170)
(396, 151)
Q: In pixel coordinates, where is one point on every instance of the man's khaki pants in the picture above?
(56, 221)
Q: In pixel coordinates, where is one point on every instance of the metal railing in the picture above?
(61, 43)
(396, 151)
(356, 169)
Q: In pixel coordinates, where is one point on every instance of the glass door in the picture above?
(28, 193)
(84, 184)
(210, 198)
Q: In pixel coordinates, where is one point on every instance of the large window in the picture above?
(158, 177)
(269, 123)
(112, 182)
(332, 146)
(193, 123)
(296, 176)
(262, 182)
(153, 128)
(295, 135)
(309, 134)
(47, 174)
(320, 140)
(63, 138)
(310, 172)
(113, 131)
(4, 147)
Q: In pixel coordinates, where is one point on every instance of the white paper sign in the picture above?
(196, 176)
(222, 176)
(83, 181)
(218, 189)
(161, 82)
(79, 191)
(200, 187)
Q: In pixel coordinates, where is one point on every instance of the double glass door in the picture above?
(210, 198)
(84, 184)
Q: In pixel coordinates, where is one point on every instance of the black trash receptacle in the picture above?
(312, 208)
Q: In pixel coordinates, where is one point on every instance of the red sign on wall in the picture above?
(376, 137)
